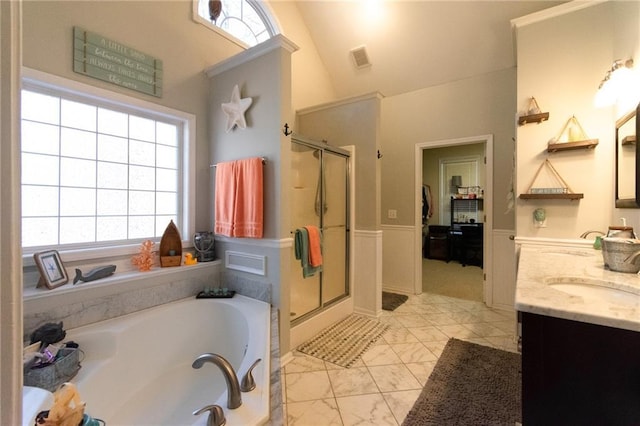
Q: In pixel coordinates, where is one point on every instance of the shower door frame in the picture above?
(323, 146)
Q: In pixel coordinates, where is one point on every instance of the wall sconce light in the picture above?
(615, 82)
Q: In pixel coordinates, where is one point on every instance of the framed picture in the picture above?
(52, 272)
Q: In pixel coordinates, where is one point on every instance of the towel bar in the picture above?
(264, 161)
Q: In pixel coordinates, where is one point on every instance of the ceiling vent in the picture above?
(360, 57)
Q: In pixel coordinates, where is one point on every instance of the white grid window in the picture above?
(245, 20)
(95, 174)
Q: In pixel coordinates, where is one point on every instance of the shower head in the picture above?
(316, 153)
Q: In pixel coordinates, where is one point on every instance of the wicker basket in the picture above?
(616, 250)
(53, 375)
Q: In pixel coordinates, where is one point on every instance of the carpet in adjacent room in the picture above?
(470, 384)
(451, 279)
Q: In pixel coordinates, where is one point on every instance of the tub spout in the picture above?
(234, 398)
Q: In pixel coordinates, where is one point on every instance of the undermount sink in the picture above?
(593, 289)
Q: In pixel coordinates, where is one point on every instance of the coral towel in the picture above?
(315, 246)
(248, 214)
(239, 198)
(225, 194)
(301, 248)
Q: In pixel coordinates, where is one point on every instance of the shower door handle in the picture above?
(333, 226)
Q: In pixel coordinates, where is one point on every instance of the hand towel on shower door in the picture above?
(301, 248)
(225, 201)
(315, 245)
(248, 212)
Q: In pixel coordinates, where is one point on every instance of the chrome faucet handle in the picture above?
(248, 383)
(216, 415)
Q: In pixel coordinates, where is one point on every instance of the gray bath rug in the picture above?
(344, 342)
(470, 385)
(390, 301)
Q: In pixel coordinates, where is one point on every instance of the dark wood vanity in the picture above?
(575, 373)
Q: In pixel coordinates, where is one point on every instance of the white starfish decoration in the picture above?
(235, 110)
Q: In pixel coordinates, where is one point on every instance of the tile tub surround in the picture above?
(131, 291)
(540, 265)
(120, 294)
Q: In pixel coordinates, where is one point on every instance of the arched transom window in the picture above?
(246, 22)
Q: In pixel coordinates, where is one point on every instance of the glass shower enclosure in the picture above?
(320, 197)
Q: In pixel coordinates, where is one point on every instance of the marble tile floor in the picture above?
(383, 385)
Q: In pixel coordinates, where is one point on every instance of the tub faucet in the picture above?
(234, 398)
(216, 415)
(586, 234)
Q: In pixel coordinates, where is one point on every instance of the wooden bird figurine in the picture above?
(215, 8)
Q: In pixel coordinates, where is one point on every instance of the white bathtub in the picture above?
(137, 368)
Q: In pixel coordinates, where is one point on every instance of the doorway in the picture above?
(480, 190)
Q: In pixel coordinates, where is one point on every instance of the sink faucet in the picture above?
(586, 234)
(234, 398)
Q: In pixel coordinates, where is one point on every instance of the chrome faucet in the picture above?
(586, 234)
(234, 398)
(248, 383)
(216, 415)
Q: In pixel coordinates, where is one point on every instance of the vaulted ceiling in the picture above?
(413, 44)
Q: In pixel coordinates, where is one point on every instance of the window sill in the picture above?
(96, 253)
(115, 283)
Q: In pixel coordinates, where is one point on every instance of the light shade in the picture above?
(616, 82)
(456, 181)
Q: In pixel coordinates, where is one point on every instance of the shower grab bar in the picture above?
(264, 161)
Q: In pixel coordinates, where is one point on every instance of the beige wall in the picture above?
(311, 85)
(561, 61)
(476, 106)
(164, 29)
(352, 122)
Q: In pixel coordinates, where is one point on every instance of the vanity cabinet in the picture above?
(576, 373)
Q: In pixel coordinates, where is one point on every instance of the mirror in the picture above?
(627, 162)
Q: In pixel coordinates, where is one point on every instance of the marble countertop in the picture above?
(541, 265)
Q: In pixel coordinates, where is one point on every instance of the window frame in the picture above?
(261, 8)
(75, 90)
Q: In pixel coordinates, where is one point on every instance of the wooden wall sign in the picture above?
(108, 60)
